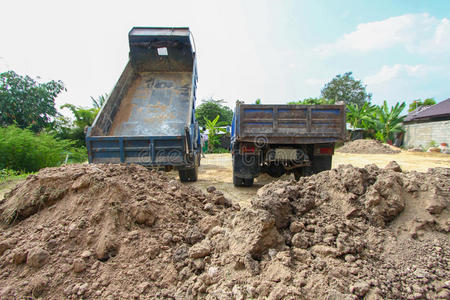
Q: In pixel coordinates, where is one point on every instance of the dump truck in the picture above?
(284, 139)
(149, 117)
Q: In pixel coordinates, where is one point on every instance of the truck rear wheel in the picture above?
(191, 174)
(321, 163)
(237, 181)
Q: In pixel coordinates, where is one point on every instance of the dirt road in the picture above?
(216, 170)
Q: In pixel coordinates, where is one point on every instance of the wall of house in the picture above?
(421, 134)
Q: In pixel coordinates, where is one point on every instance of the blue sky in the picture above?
(278, 51)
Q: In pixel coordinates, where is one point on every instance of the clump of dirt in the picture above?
(367, 147)
(99, 231)
(122, 232)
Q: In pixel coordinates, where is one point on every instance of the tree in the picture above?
(346, 88)
(210, 108)
(312, 101)
(66, 129)
(213, 130)
(361, 117)
(27, 103)
(389, 121)
(98, 102)
(258, 101)
(417, 103)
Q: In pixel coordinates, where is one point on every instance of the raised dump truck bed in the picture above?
(149, 117)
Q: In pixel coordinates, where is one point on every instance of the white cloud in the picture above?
(388, 73)
(314, 82)
(403, 82)
(416, 32)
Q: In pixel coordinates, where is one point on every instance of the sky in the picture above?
(277, 51)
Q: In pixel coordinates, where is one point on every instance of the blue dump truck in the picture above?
(149, 117)
(284, 139)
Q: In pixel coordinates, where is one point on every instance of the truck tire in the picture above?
(189, 175)
(321, 163)
(303, 172)
(237, 181)
(276, 170)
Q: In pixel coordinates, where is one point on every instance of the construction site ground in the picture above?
(86, 231)
(216, 170)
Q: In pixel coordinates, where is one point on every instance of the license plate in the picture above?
(285, 154)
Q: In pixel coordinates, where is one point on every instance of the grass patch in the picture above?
(7, 175)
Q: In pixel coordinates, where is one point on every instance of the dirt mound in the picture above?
(119, 232)
(99, 231)
(367, 147)
(353, 232)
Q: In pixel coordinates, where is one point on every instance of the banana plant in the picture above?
(389, 121)
(214, 127)
(361, 117)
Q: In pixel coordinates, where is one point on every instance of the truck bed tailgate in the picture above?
(291, 123)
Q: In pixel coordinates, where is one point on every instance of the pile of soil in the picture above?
(367, 147)
(101, 231)
(356, 232)
(122, 232)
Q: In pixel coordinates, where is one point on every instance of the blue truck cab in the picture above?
(149, 117)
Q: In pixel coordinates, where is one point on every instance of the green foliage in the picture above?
(210, 108)
(64, 128)
(432, 144)
(83, 116)
(417, 103)
(8, 174)
(213, 128)
(388, 121)
(99, 101)
(345, 88)
(27, 103)
(220, 150)
(361, 117)
(258, 101)
(23, 150)
(312, 101)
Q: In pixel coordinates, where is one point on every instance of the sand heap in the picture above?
(367, 147)
(123, 232)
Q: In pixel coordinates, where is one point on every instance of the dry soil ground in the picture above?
(122, 232)
(216, 170)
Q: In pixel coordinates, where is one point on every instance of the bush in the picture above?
(24, 151)
(6, 173)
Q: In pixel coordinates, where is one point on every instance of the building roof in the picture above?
(412, 115)
(441, 109)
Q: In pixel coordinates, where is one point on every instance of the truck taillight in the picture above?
(328, 151)
(248, 149)
(324, 149)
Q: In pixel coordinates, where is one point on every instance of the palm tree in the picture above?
(98, 103)
(389, 121)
